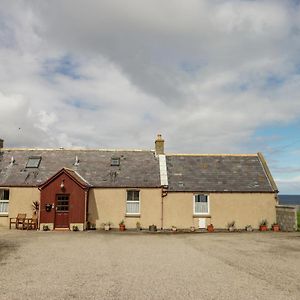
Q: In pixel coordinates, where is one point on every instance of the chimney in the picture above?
(159, 145)
(1, 144)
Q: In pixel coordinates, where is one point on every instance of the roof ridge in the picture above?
(76, 149)
(209, 154)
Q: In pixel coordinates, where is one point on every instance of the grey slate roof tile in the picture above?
(216, 173)
(137, 168)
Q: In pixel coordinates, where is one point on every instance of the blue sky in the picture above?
(210, 76)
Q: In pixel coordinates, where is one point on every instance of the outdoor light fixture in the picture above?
(62, 185)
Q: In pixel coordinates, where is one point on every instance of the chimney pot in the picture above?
(159, 145)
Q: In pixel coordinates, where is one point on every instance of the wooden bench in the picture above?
(18, 221)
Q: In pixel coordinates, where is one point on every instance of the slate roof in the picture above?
(217, 173)
(136, 169)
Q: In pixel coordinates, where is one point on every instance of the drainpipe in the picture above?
(86, 193)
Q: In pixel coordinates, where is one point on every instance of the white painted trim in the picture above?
(163, 169)
(208, 205)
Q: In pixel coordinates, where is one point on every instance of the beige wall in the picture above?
(243, 208)
(109, 205)
(20, 201)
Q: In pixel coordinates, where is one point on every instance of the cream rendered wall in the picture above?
(109, 205)
(20, 201)
(243, 208)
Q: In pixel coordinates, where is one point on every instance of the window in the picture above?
(133, 202)
(201, 204)
(62, 203)
(115, 161)
(33, 162)
(4, 200)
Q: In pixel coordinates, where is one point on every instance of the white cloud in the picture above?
(206, 74)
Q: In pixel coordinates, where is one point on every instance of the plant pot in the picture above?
(263, 228)
(174, 229)
(122, 227)
(210, 228)
(275, 227)
(106, 227)
(249, 228)
(231, 229)
(192, 228)
(152, 228)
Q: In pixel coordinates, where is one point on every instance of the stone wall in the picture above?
(286, 217)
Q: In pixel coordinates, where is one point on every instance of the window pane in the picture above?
(132, 207)
(33, 162)
(3, 207)
(130, 195)
(136, 195)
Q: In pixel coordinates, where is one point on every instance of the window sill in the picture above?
(201, 216)
(133, 215)
(3, 215)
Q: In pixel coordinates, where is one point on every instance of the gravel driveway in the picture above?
(113, 265)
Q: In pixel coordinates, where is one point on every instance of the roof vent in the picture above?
(76, 161)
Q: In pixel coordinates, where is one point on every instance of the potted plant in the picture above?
(275, 227)
(45, 227)
(75, 228)
(192, 228)
(107, 226)
(263, 226)
(122, 225)
(35, 207)
(231, 226)
(138, 226)
(248, 228)
(174, 228)
(210, 228)
(152, 227)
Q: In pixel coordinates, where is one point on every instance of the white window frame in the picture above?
(134, 202)
(194, 206)
(5, 213)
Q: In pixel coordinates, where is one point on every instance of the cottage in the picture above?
(83, 187)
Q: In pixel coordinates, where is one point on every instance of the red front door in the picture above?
(62, 211)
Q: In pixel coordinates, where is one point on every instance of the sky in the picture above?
(210, 76)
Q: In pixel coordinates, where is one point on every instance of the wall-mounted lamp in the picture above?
(62, 185)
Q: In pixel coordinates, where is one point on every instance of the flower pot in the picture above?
(106, 227)
(263, 228)
(152, 228)
(210, 228)
(192, 228)
(231, 229)
(275, 227)
(174, 229)
(122, 227)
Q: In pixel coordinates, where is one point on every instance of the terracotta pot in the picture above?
(122, 227)
(263, 228)
(275, 227)
(210, 228)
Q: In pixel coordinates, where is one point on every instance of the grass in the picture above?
(298, 219)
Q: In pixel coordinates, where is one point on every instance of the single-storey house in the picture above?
(81, 187)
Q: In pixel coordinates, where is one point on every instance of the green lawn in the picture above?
(298, 217)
